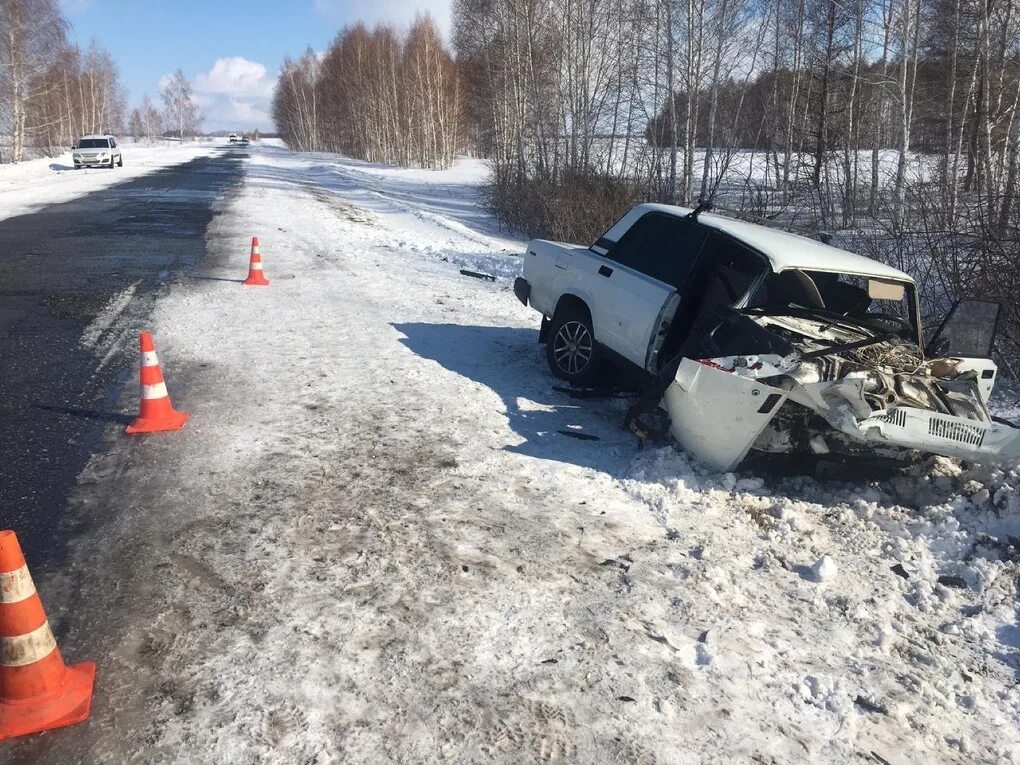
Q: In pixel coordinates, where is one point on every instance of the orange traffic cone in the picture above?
(255, 276)
(156, 413)
(37, 690)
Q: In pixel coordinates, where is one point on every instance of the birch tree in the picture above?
(181, 110)
(31, 31)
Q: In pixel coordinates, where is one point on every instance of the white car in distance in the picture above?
(97, 151)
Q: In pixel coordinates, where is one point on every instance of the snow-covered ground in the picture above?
(36, 183)
(377, 539)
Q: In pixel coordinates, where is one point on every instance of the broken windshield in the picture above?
(842, 299)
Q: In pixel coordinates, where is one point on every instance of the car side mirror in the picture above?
(939, 347)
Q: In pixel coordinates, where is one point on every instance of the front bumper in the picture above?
(93, 161)
(927, 431)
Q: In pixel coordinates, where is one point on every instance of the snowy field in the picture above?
(31, 185)
(376, 540)
(758, 167)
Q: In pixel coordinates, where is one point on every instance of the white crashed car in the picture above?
(760, 341)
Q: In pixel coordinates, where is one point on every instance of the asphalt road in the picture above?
(60, 369)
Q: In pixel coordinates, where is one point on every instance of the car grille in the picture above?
(946, 428)
(953, 430)
(896, 417)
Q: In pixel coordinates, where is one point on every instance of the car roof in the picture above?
(96, 135)
(784, 250)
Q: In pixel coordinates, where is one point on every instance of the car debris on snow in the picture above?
(900, 571)
(956, 582)
(870, 706)
(477, 275)
(579, 435)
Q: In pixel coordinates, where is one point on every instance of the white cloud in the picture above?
(248, 113)
(398, 12)
(234, 94)
(236, 76)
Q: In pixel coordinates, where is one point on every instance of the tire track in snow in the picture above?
(410, 203)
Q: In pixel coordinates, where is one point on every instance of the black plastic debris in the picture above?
(578, 435)
(477, 275)
(614, 562)
(870, 706)
(591, 393)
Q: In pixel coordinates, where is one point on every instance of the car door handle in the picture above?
(605, 271)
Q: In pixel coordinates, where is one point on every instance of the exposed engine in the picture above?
(853, 391)
(892, 372)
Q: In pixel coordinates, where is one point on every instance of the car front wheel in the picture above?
(571, 350)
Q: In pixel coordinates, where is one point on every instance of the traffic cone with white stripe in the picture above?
(255, 276)
(37, 690)
(156, 413)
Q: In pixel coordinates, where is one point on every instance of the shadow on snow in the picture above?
(508, 361)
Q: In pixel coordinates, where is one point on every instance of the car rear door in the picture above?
(641, 276)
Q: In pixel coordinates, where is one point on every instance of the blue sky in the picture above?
(231, 51)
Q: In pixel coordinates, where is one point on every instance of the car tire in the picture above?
(571, 350)
(120, 161)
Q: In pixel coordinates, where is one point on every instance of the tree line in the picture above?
(52, 91)
(664, 92)
(376, 94)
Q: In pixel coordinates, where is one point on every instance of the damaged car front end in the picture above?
(798, 379)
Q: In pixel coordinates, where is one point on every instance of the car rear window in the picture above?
(93, 143)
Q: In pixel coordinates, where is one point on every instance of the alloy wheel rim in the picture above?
(572, 347)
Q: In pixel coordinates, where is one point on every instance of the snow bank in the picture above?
(899, 645)
(378, 540)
